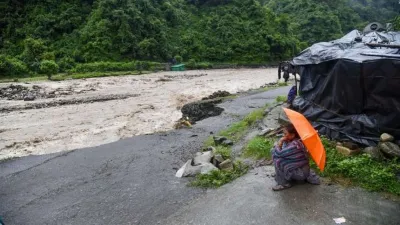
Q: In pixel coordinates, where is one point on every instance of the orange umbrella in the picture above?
(309, 136)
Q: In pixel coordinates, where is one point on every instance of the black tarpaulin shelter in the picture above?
(350, 87)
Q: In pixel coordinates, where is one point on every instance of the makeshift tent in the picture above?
(350, 87)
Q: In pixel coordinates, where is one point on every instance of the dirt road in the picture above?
(85, 113)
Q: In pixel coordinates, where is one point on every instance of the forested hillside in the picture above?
(321, 20)
(48, 36)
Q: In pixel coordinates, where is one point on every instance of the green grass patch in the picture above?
(257, 114)
(65, 76)
(23, 79)
(283, 84)
(237, 130)
(217, 178)
(117, 66)
(281, 98)
(361, 170)
(259, 148)
(209, 142)
(224, 151)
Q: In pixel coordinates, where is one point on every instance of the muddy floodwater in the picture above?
(73, 114)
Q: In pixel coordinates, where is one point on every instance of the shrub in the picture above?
(48, 56)
(116, 66)
(217, 178)
(48, 67)
(281, 98)
(66, 63)
(201, 65)
(12, 66)
(178, 58)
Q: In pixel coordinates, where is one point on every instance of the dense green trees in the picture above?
(69, 33)
(322, 20)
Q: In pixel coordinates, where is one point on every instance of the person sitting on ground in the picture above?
(291, 161)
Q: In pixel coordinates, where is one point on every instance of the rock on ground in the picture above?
(390, 149)
(189, 170)
(374, 152)
(226, 165)
(202, 158)
(346, 151)
(385, 137)
(219, 139)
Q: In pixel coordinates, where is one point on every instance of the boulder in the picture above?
(227, 143)
(374, 152)
(350, 145)
(218, 159)
(219, 139)
(346, 151)
(246, 162)
(188, 170)
(390, 149)
(202, 158)
(226, 165)
(29, 97)
(207, 168)
(386, 137)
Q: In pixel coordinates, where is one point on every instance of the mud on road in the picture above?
(74, 114)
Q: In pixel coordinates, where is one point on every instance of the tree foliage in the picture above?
(240, 31)
(323, 20)
(48, 67)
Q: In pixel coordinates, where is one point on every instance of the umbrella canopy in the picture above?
(309, 136)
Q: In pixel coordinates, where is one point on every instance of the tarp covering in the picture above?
(348, 95)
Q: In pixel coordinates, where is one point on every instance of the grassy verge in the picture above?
(281, 98)
(361, 170)
(259, 148)
(191, 65)
(64, 76)
(235, 132)
(217, 178)
(283, 84)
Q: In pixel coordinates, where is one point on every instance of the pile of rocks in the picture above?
(19, 92)
(205, 162)
(387, 148)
